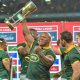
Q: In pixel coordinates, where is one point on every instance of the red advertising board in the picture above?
(73, 27)
(54, 28)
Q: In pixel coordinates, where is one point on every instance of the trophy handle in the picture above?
(10, 25)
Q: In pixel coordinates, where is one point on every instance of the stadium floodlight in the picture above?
(48, 1)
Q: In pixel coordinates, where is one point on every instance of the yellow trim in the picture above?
(1, 49)
(22, 46)
(59, 50)
(76, 61)
(28, 45)
(47, 47)
(70, 48)
(19, 47)
(5, 59)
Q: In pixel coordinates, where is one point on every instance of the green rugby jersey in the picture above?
(35, 43)
(78, 48)
(62, 49)
(37, 69)
(71, 55)
(3, 72)
(24, 63)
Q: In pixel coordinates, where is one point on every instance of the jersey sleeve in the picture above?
(74, 57)
(51, 52)
(5, 55)
(21, 44)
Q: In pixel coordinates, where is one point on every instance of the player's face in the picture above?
(34, 34)
(78, 39)
(43, 40)
(62, 42)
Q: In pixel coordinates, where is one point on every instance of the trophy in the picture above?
(20, 15)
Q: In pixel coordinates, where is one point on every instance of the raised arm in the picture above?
(28, 37)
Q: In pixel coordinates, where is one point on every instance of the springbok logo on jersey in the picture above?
(32, 57)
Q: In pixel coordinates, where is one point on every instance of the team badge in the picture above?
(32, 57)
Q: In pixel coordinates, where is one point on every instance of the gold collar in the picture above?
(1, 49)
(69, 48)
(47, 47)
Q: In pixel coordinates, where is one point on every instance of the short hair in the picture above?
(78, 34)
(47, 34)
(2, 40)
(31, 29)
(67, 36)
(58, 42)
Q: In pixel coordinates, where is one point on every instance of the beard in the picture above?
(63, 45)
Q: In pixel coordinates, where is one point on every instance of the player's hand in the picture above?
(37, 49)
(56, 76)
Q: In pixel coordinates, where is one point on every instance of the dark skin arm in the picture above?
(76, 70)
(23, 50)
(57, 75)
(48, 59)
(28, 37)
(6, 63)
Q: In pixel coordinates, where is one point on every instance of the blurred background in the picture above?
(48, 10)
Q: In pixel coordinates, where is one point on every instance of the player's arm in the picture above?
(23, 50)
(28, 37)
(6, 63)
(57, 75)
(59, 50)
(48, 59)
(76, 70)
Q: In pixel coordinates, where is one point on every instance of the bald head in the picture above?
(44, 39)
(46, 34)
(34, 33)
